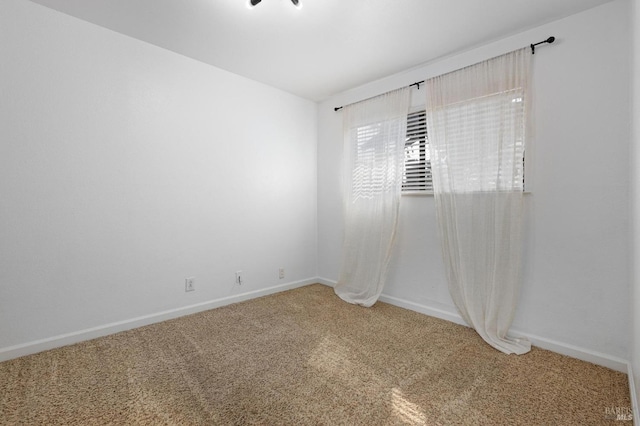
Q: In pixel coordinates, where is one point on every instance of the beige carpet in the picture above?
(304, 357)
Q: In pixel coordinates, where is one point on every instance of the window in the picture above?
(417, 162)
(485, 143)
(374, 157)
(417, 176)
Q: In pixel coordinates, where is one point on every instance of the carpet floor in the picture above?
(304, 357)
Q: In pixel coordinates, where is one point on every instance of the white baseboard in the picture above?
(594, 357)
(423, 309)
(326, 281)
(412, 306)
(605, 360)
(11, 352)
(104, 330)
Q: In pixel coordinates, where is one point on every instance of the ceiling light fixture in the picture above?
(255, 2)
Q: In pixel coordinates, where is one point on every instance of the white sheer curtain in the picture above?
(476, 123)
(374, 138)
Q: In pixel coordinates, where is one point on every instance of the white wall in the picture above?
(576, 274)
(125, 168)
(635, 204)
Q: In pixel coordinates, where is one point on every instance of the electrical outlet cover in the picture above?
(189, 284)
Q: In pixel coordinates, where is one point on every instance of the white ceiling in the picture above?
(325, 46)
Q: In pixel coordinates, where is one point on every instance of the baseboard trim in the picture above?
(326, 281)
(605, 360)
(29, 348)
(588, 355)
(423, 309)
(634, 395)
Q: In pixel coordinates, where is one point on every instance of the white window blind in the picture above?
(376, 145)
(417, 161)
(370, 171)
(486, 148)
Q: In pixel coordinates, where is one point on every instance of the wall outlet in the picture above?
(239, 279)
(281, 273)
(189, 284)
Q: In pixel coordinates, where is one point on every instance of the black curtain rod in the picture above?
(418, 83)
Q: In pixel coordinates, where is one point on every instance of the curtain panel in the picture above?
(374, 139)
(476, 119)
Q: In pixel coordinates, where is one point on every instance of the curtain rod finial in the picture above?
(533, 45)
